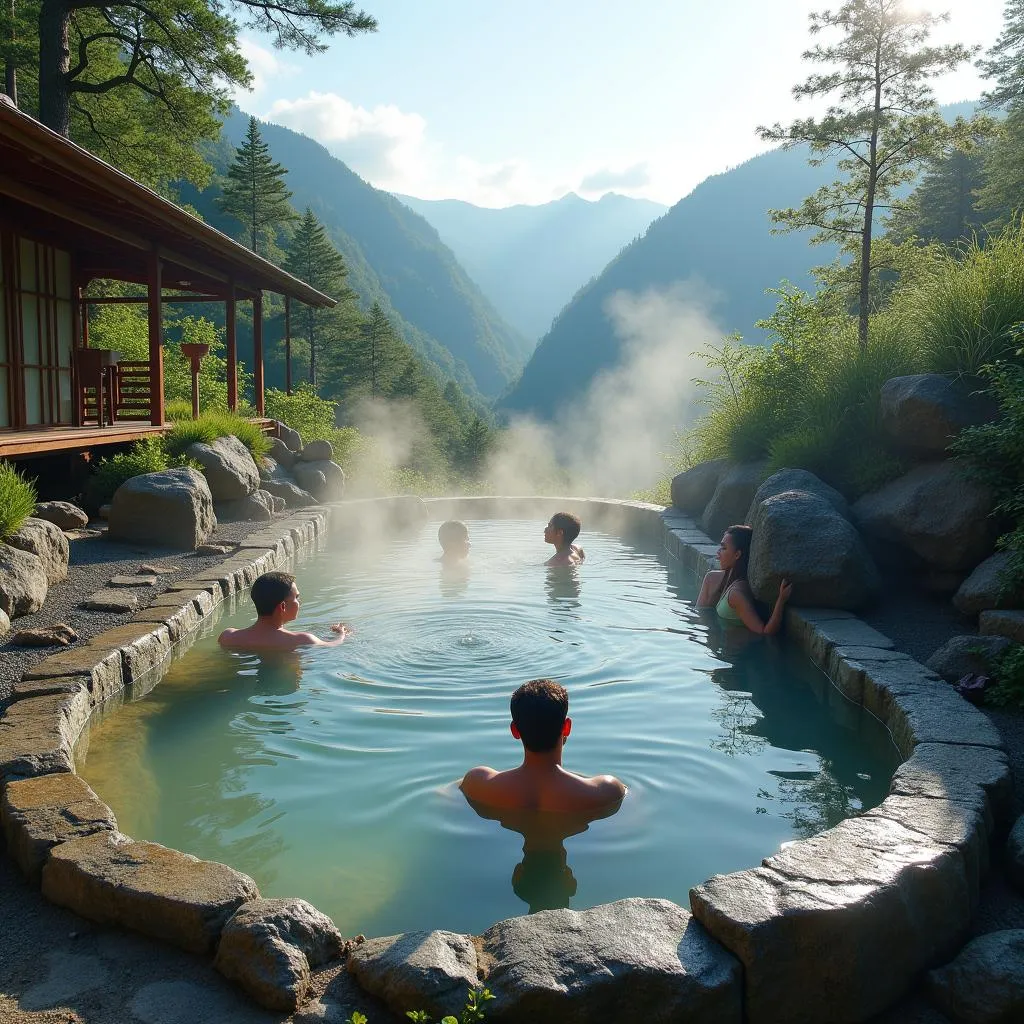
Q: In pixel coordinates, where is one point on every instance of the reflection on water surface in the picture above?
(331, 774)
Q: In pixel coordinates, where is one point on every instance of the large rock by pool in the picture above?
(172, 508)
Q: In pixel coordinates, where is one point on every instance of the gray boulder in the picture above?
(290, 493)
(985, 983)
(983, 589)
(923, 413)
(48, 543)
(432, 971)
(22, 582)
(797, 480)
(173, 508)
(291, 438)
(732, 497)
(1015, 854)
(228, 466)
(317, 451)
(5, 623)
(936, 512)
(967, 655)
(633, 960)
(692, 489)
(256, 507)
(280, 452)
(801, 537)
(272, 469)
(324, 480)
(268, 947)
(62, 514)
(1008, 623)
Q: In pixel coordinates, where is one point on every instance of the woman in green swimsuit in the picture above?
(728, 592)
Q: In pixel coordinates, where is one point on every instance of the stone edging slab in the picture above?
(834, 928)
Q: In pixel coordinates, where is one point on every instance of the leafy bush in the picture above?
(961, 312)
(17, 499)
(472, 1012)
(1009, 679)
(303, 410)
(994, 454)
(145, 456)
(810, 400)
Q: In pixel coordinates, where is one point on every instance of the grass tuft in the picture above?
(17, 499)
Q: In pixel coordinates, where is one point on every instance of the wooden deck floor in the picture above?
(15, 444)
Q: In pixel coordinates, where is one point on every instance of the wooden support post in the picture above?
(257, 350)
(288, 344)
(156, 352)
(232, 345)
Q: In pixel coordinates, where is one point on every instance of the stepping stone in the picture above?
(111, 600)
(124, 580)
(157, 570)
(86, 533)
(45, 636)
(215, 549)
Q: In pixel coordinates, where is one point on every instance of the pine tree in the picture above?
(312, 258)
(883, 124)
(944, 206)
(1004, 63)
(382, 351)
(255, 193)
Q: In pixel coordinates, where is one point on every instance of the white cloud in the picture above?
(385, 145)
(265, 66)
(626, 179)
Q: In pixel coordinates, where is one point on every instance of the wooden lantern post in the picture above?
(195, 351)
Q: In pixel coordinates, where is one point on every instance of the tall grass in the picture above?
(211, 425)
(959, 314)
(17, 499)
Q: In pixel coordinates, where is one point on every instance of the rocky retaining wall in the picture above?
(834, 928)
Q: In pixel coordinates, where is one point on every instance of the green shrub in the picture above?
(472, 1012)
(994, 454)
(303, 410)
(962, 311)
(178, 409)
(17, 499)
(145, 456)
(1009, 679)
(211, 425)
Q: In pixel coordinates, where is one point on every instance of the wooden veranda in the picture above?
(67, 219)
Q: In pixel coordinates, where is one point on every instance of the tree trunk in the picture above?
(54, 64)
(10, 69)
(869, 208)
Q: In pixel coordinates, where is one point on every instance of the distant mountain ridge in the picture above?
(394, 257)
(719, 237)
(530, 260)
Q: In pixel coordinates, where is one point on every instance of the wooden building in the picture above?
(66, 219)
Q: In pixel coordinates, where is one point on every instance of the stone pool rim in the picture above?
(836, 927)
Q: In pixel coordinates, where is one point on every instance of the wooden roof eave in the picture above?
(180, 238)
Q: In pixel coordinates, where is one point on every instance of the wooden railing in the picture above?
(132, 387)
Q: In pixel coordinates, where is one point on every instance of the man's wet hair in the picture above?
(569, 524)
(539, 708)
(452, 532)
(270, 590)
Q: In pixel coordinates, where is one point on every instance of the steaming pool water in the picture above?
(332, 774)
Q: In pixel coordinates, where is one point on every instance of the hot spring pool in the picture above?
(332, 774)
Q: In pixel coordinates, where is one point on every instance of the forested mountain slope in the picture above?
(530, 260)
(394, 257)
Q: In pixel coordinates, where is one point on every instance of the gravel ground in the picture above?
(94, 561)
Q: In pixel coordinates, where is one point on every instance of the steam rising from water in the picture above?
(609, 443)
(612, 441)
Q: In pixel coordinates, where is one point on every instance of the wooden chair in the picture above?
(94, 368)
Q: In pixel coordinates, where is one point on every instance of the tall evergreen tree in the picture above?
(944, 207)
(311, 257)
(255, 193)
(883, 123)
(163, 41)
(1004, 63)
(385, 354)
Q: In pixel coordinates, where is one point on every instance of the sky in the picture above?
(497, 103)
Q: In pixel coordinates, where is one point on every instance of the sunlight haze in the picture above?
(462, 100)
